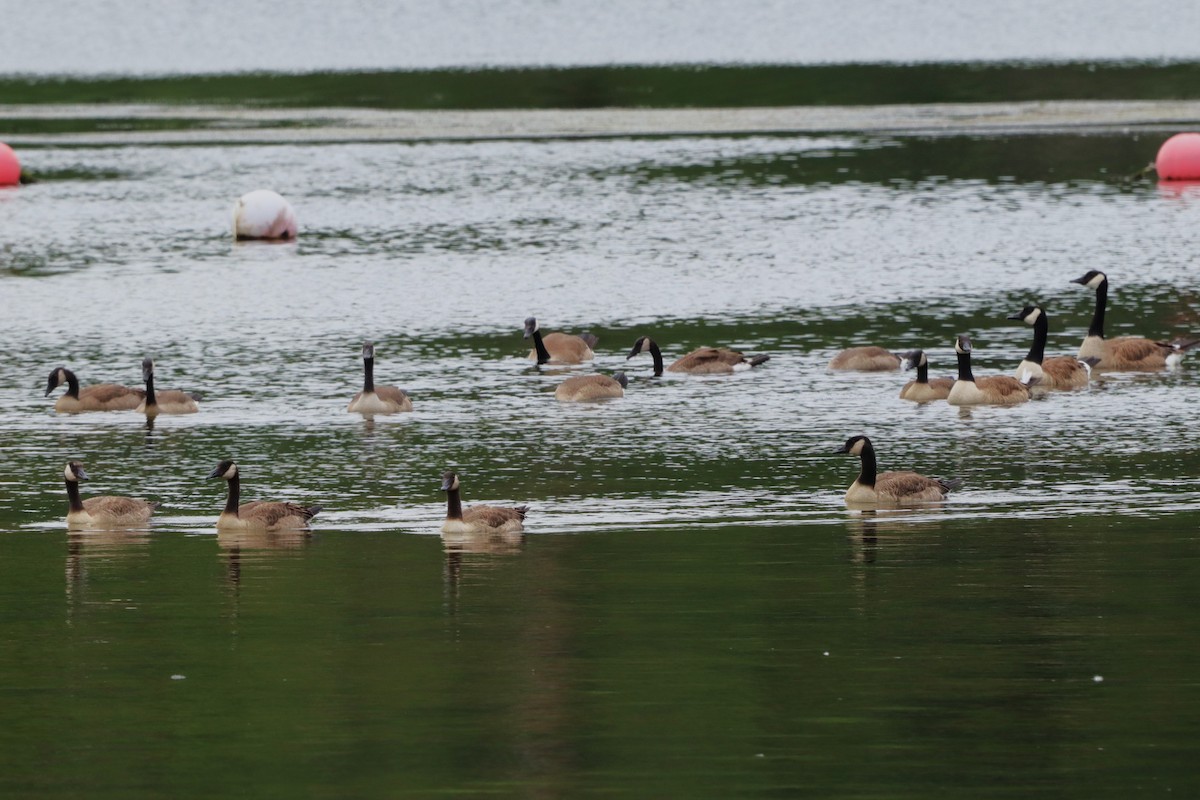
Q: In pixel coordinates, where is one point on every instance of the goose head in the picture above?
(531, 327)
(226, 471)
(58, 376)
(854, 445)
(1029, 314)
(449, 481)
(74, 472)
(913, 358)
(1091, 279)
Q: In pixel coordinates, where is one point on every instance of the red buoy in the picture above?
(1179, 158)
(10, 168)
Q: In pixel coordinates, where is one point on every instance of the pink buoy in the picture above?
(263, 214)
(1179, 158)
(10, 167)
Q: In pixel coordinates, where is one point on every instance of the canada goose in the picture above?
(1059, 372)
(890, 488)
(702, 361)
(478, 519)
(591, 387)
(101, 397)
(1125, 352)
(866, 359)
(994, 390)
(168, 402)
(105, 511)
(258, 515)
(377, 399)
(923, 390)
(559, 348)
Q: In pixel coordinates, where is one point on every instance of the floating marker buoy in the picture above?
(10, 167)
(1179, 158)
(263, 214)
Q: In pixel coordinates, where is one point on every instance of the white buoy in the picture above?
(263, 214)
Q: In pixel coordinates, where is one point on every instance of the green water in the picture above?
(851, 660)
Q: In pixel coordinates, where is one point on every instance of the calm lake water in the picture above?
(693, 612)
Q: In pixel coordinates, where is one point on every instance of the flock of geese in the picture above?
(1035, 373)
(871, 488)
(115, 512)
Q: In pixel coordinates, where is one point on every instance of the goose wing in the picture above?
(494, 516)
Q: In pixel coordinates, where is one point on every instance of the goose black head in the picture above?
(1091, 279)
(1029, 314)
(226, 470)
(854, 445)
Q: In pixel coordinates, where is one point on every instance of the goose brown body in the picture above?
(257, 515)
(865, 359)
(701, 361)
(872, 487)
(559, 348)
(103, 511)
(100, 397)
(923, 389)
(377, 399)
(479, 518)
(583, 388)
(1059, 372)
(1125, 353)
(994, 390)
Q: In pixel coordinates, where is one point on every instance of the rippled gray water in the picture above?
(438, 251)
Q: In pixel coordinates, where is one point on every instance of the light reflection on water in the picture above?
(438, 251)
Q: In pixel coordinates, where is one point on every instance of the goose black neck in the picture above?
(543, 355)
(72, 384)
(964, 367)
(235, 495)
(923, 372)
(656, 354)
(1041, 328)
(1097, 327)
(73, 500)
(150, 398)
(368, 375)
(866, 477)
(453, 504)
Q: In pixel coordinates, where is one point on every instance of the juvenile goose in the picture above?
(923, 390)
(865, 359)
(1059, 372)
(559, 348)
(168, 402)
(105, 511)
(377, 399)
(591, 387)
(478, 519)
(702, 361)
(995, 390)
(890, 488)
(1125, 352)
(258, 515)
(101, 397)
